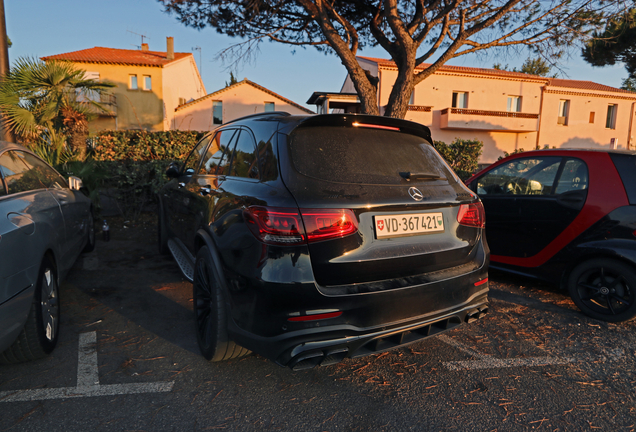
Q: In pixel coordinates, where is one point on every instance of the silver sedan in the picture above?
(45, 224)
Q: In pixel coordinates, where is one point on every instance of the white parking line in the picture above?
(489, 362)
(87, 371)
(87, 380)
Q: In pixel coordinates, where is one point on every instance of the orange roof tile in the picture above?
(556, 82)
(585, 85)
(460, 69)
(118, 56)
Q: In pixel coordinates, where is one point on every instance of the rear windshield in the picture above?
(365, 156)
(626, 166)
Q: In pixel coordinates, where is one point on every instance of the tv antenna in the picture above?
(143, 36)
(198, 48)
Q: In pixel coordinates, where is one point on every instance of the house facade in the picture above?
(149, 85)
(508, 111)
(238, 100)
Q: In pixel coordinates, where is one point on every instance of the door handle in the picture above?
(205, 190)
(182, 185)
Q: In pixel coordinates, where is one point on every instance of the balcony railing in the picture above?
(108, 103)
(502, 121)
(420, 108)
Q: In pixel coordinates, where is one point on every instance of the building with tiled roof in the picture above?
(229, 103)
(149, 85)
(508, 110)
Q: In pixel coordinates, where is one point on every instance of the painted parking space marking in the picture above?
(87, 380)
(486, 361)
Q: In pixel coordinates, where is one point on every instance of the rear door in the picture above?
(200, 195)
(529, 201)
(403, 195)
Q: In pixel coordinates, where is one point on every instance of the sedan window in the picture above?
(527, 176)
(19, 175)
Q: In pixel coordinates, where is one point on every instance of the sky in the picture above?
(40, 28)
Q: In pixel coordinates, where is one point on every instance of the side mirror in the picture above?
(173, 170)
(75, 183)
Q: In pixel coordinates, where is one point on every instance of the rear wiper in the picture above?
(420, 176)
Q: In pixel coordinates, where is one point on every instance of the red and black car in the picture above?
(567, 217)
(314, 238)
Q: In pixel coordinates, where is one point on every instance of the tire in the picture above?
(604, 289)
(209, 312)
(162, 232)
(90, 243)
(41, 331)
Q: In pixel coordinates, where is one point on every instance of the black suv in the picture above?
(309, 239)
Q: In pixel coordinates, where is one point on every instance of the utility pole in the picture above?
(5, 134)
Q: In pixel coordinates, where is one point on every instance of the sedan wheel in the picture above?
(90, 235)
(604, 289)
(40, 333)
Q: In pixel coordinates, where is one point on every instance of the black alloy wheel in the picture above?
(209, 312)
(604, 289)
(40, 333)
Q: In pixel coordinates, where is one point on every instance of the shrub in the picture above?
(136, 145)
(462, 155)
(134, 163)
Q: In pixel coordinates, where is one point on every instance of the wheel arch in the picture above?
(202, 238)
(50, 254)
(615, 249)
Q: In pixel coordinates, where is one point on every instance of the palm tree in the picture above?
(50, 102)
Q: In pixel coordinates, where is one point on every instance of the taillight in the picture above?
(275, 225)
(472, 215)
(284, 226)
(328, 224)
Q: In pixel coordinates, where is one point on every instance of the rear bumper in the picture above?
(326, 352)
(394, 319)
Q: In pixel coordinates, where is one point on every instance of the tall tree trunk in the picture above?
(404, 84)
(5, 132)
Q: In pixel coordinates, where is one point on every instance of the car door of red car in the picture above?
(529, 201)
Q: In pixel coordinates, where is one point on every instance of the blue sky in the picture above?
(45, 27)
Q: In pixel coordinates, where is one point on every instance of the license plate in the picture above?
(408, 224)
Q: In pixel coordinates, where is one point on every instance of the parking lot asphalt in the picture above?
(127, 360)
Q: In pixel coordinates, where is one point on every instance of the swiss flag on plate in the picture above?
(380, 224)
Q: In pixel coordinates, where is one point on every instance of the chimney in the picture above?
(170, 52)
(144, 47)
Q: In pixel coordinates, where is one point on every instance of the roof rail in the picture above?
(263, 114)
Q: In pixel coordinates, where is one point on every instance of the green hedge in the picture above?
(462, 155)
(142, 145)
(130, 165)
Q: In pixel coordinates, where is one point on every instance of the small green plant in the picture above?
(462, 155)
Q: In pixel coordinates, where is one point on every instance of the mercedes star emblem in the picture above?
(416, 194)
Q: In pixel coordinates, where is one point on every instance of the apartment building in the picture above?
(506, 110)
(229, 103)
(150, 85)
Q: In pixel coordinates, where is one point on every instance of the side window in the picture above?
(526, 176)
(244, 162)
(217, 159)
(194, 158)
(48, 176)
(573, 177)
(24, 172)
